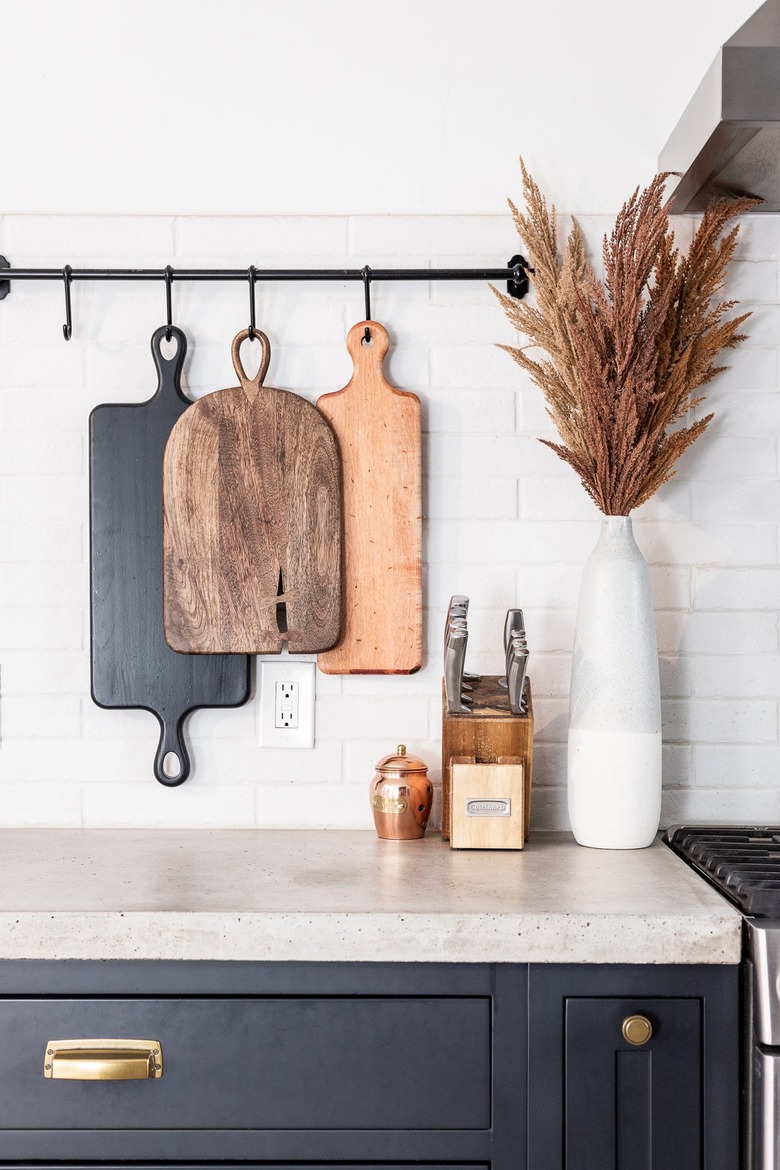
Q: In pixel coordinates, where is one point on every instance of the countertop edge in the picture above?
(703, 938)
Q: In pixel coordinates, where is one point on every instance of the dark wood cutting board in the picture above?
(132, 666)
(379, 433)
(252, 522)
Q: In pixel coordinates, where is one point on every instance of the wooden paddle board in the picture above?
(252, 522)
(379, 433)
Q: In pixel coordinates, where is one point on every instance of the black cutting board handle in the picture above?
(169, 369)
(172, 743)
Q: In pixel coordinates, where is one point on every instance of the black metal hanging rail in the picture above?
(515, 274)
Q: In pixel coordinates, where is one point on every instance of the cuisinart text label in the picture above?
(497, 807)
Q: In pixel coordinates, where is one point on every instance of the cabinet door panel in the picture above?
(627, 1107)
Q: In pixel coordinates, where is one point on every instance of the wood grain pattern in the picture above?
(252, 522)
(131, 664)
(490, 735)
(379, 433)
(499, 781)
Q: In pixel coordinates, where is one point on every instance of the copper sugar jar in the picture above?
(401, 797)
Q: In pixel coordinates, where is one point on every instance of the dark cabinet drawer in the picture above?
(258, 1063)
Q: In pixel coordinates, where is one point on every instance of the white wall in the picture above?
(341, 106)
(506, 522)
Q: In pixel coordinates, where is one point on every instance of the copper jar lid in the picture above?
(399, 764)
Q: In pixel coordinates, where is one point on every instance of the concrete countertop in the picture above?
(303, 895)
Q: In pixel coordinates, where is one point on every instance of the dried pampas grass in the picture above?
(626, 356)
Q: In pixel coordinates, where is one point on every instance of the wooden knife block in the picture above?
(491, 734)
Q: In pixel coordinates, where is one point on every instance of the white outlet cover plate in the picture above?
(287, 670)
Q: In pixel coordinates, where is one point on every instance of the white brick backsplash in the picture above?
(44, 672)
(24, 369)
(506, 522)
(737, 766)
(41, 716)
(731, 501)
(719, 456)
(470, 499)
(742, 806)
(40, 542)
(750, 368)
(152, 806)
(457, 235)
(43, 498)
(763, 325)
(749, 587)
(297, 806)
(55, 240)
(28, 628)
(719, 633)
(746, 412)
(752, 281)
(720, 721)
(38, 804)
(736, 676)
(747, 543)
(468, 411)
(61, 455)
(470, 366)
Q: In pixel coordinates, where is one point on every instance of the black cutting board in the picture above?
(132, 666)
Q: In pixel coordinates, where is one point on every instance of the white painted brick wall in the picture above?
(506, 522)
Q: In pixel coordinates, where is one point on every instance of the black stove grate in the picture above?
(743, 863)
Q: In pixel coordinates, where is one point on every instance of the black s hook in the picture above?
(252, 324)
(367, 291)
(168, 310)
(67, 328)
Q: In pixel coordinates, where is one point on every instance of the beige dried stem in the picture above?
(626, 356)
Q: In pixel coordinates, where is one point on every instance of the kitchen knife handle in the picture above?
(169, 369)
(172, 760)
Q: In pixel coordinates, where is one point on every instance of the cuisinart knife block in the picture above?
(486, 770)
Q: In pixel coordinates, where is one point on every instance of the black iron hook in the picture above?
(168, 310)
(67, 328)
(367, 291)
(252, 324)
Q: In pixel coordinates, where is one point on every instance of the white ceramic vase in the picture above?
(614, 767)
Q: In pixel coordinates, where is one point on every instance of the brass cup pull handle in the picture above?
(103, 1060)
(637, 1030)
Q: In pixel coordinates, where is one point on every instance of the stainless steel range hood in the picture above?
(728, 139)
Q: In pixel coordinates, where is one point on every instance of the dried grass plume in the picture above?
(626, 356)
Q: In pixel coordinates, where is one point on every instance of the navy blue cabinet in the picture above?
(490, 1067)
(638, 1068)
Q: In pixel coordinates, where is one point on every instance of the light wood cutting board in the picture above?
(379, 433)
(251, 522)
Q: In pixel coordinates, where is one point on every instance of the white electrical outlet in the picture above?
(287, 703)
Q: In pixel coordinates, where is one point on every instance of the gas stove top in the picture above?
(742, 862)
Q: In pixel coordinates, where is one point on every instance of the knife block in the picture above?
(491, 734)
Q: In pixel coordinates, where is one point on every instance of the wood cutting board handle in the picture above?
(169, 370)
(171, 741)
(367, 353)
(251, 386)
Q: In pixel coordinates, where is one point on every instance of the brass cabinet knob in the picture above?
(637, 1029)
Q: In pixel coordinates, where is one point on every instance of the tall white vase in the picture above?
(614, 771)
